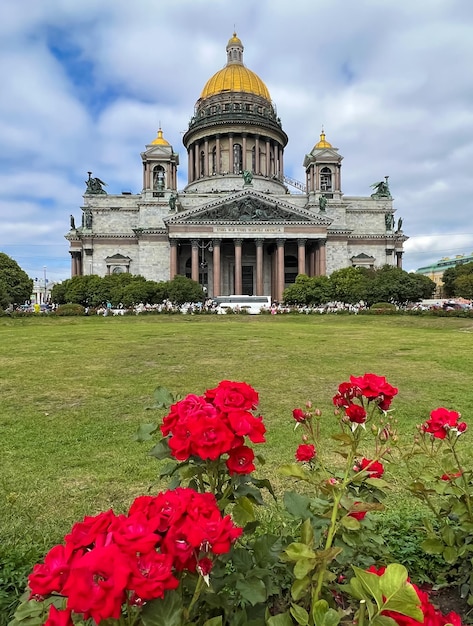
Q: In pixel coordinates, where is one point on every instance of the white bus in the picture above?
(249, 304)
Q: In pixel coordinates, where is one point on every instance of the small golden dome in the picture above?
(160, 141)
(234, 40)
(323, 143)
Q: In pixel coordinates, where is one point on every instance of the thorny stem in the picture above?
(464, 481)
(195, 597)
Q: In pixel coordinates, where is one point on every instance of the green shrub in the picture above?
(69, 309)
(383, 305)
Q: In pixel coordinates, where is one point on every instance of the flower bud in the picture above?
(308, 404)
(318, 412)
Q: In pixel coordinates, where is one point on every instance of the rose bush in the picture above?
(179, 558)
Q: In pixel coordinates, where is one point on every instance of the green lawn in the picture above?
(74, 391)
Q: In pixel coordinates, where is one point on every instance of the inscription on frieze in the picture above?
(249, 229)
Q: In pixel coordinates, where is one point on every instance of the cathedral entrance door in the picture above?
(247, 280)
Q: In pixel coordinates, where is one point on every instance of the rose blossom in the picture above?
(151, 575)
(230, 395)
(299, 415)
(58, 618)
(440, 422)
(305, 452)
(374, 469)
(359, 515)
(52, 574)
(240, 460)
(356, 414)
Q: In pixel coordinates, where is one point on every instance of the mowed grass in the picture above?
(74, 391)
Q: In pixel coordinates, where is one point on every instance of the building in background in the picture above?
(236, 227)
(436, 270)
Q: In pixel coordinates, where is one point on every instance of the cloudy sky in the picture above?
(85, 85)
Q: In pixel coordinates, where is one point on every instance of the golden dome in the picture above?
(235, 77)
(160, 141)
(323, 143)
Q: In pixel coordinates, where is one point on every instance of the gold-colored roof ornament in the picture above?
(323, 143)
(235, 77)
(160, 141)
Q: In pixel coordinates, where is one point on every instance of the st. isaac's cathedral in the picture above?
(236, 227)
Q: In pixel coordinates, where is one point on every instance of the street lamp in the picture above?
(45, 284)
(203, 265)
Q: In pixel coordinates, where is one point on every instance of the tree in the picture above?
(15, 284)
(426, 286)
(182, 289)
(392, 284)
(349, 284)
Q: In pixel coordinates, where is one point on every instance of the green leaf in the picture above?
(351, 523)
(295, 551)
(307, 533)
(243, 512)
(294, 470)
(432, 546)
(344, 438)
(161, 450)
(370, 584)
(145, 432)
(299, 614)
(450, 554)
(299, 587)
(165, 612)
(323, 616)
(379, 483)
(283, 619)
(448, 535)
(163, 398)
(400, 595)
(298, 505)
(303, 567)
(252, 589)
(382, 620)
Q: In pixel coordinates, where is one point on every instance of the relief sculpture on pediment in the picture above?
(249, 210)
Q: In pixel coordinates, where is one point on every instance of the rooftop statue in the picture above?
(322, 203)
(95, 185)
(172, 201)
(247, 177)
(381, 189)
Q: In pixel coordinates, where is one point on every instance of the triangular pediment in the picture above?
(247, 207)
(158, 151)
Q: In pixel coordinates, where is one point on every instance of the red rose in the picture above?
(299, 415)
(356, 414)
(305, 452)
(450, 476)
(440, 422)
(135, 533)
(372, 386)
(97, 582)
(374, 469)
(210, 437)
(87, 532)
(204, 566)
(240, 460)
(230, 395)
(151, 575)
(52, 574)
(184, 410)
(58, 618)
(244, 423)
(461, 427)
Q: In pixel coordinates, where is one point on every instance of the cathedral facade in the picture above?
(236, 228)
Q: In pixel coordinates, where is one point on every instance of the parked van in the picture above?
(249, 304)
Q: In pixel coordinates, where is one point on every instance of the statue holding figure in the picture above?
(95, 185)
(381, 189)
(87, 219)
(322, 203)
(172, 201)
(389, 219)
(247, 177)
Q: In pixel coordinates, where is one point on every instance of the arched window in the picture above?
(326, 179)
(202, 163)
(214, 160)
(158, 178)
(237, 159)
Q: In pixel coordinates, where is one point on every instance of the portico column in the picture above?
(238, 274)
(216, 266)
(173, 258)
(196, 160)
(280, 270)
(301, 256)
(281, 163)
(399, 259)
(206, 157)
(313, 260)
(195, 260)
(322, 258)
(257, 161)
(268, 158)
(243, 148)
(190, 175)
(259, 267)
(317, 178)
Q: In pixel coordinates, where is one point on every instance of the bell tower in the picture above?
(159, 168)
(323, 171)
